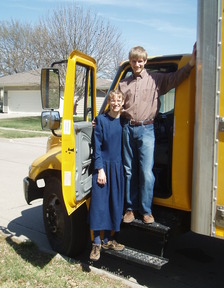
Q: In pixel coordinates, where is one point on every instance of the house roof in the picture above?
(103, 84)
(32, 79)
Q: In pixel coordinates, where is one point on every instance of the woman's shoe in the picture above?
(95, 253)
(113, 245)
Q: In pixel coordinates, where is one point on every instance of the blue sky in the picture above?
(162, 27)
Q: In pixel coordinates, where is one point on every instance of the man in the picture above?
(142, 91)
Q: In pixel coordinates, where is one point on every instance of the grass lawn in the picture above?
(11, 128)
(26, 123)
(23, 265)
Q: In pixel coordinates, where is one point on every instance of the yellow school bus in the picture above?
(189, 146)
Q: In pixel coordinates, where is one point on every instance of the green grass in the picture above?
(19, 134)
(22, 127)
(23, 265)
(31, 124)
(26, 123)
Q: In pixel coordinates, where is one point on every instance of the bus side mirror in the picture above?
(50, 120)
(50, 88)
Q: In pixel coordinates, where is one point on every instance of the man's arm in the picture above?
(193, 56)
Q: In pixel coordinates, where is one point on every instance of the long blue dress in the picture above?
(106, 206)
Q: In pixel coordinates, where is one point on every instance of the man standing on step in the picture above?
(142, 91)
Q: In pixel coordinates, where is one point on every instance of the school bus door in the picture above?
(79, 110)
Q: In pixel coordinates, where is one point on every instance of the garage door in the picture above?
(24, 101)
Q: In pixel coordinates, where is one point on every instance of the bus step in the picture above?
(139, 257)
(153, 227)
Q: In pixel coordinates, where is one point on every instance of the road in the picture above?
(15, 157)
(195, 260)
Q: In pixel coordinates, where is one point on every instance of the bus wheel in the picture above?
(66, 234)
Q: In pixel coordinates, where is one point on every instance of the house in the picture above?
(20, 93)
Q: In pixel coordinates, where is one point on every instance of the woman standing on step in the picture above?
(107, 200)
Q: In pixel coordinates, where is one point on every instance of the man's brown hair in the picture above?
(138, 52)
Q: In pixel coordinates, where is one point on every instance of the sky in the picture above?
(162, 27)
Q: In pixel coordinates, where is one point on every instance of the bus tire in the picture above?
(66, 234)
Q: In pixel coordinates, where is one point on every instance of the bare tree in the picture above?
(24, 47)
(12, 52)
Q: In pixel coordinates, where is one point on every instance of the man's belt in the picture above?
(140, 123)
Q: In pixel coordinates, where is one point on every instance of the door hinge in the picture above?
(221, 124)
(220, 216)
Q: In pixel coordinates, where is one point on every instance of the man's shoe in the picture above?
(148, 219)
(113, 245)
(128, 216)
(95, 253)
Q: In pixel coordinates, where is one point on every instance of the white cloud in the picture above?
(158, 6)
